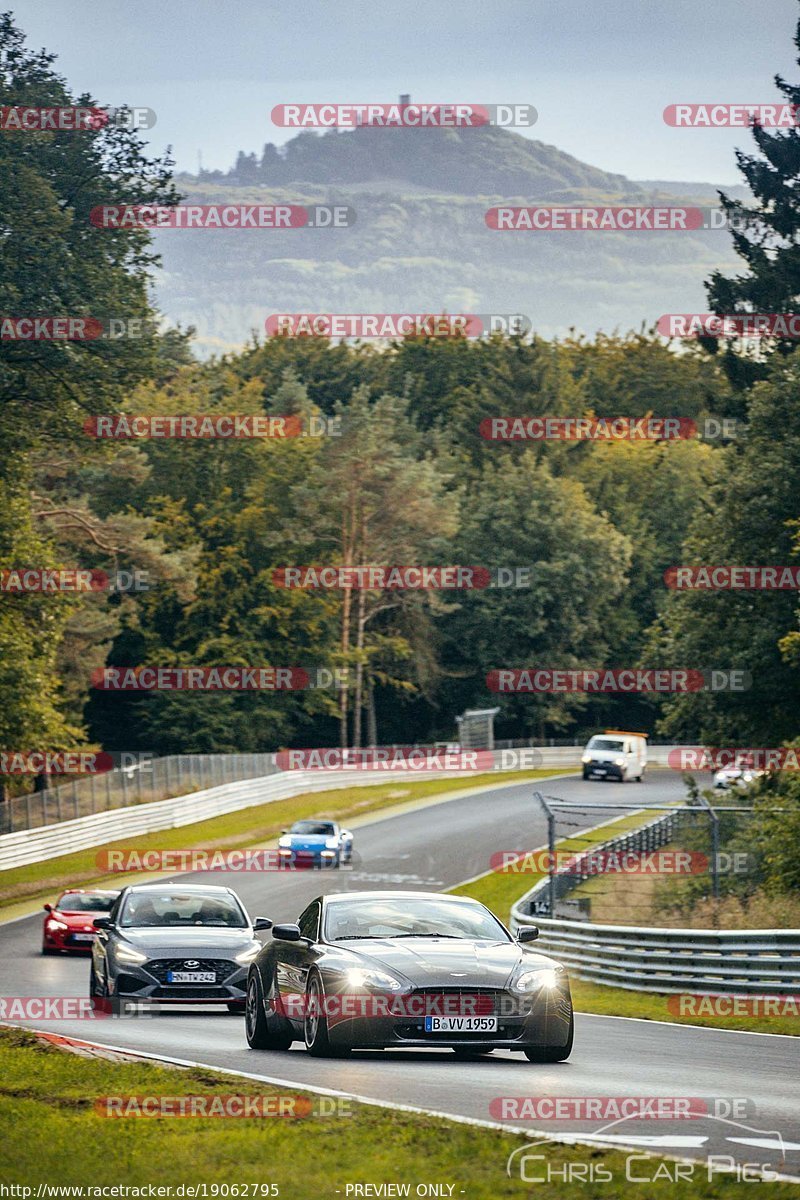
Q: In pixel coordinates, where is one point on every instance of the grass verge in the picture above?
(652, 1006)
(55, 1137)
(500, 889)
(235, 830)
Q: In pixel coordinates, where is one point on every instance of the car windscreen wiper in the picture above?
(457, 936)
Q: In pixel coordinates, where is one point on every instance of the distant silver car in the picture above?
(174, 944)
(736, 776)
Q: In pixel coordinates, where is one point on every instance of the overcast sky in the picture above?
(600, 72)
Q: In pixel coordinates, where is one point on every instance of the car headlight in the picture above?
(53, 924)
(284, 841)
(331, 843)
(533, 981)
(362, 977)
(246, 956)
(129, 955)
(587, 758)
(327, 854)
(619, 762)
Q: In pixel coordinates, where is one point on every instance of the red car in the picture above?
(69, 923)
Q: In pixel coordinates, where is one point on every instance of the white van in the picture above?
(616, 754)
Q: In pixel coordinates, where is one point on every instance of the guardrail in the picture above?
(146, 780)
(93, 829)
(643, 959)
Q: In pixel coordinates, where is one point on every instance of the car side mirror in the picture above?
(528, 934)
(284, 832)
(261, 923)
(102, 923)
(286, 933)
(47, 907)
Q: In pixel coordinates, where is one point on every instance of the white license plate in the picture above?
(191, 977)
(83, 937)
(461, 1024)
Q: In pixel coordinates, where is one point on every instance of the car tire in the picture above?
(552, 1054)
(585, 773)
(467, 1053)
(50, 950)
(315, 1023)
(256, 1026)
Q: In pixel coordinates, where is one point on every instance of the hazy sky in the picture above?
(600, 72)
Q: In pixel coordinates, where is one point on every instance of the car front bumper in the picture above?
(539, 1020)
(148, 982)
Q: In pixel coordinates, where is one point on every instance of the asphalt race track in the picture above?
(434, 847)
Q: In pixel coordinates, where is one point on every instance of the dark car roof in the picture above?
(169, 885)
(90, 892)
(398, 895)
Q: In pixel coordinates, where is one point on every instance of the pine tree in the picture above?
(767, 237)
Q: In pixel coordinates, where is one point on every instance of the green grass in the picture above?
(502, 888)
(232, 831)
(53, 1135)
(652, 1006)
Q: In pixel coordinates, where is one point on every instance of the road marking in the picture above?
(766, 1143)
(685, 1025)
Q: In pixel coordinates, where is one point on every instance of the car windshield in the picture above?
(84, 902)
(600, 743)
(181, 908)
(322, 828)
(409, 917)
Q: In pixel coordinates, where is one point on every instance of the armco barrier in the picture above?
(642, 959)
(63, 837)
(51, 841)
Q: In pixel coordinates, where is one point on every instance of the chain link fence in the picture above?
(140, 782)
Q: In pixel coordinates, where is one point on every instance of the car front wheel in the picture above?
(552, 1054)
(256, 1026)
(315, 1024)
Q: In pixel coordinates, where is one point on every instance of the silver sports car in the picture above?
(391, 969)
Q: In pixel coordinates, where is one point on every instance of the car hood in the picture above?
(76, 920)
(189, 942)
(309, 841)
(428, 962)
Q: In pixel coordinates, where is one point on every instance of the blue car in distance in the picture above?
(316, 843)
